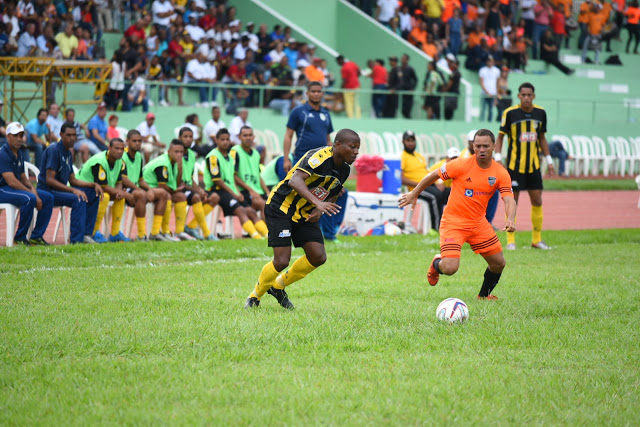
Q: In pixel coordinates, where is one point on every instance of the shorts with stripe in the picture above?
(482, 239)
(227, 202)
(526, 181)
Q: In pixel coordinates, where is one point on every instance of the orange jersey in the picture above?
(585, 10)
(566, 5)
(472, 12)
(474, 40)
(471, 189)
(633, 14)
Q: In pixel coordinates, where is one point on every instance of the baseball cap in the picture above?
(453, 152)
(451, 57)
(250, 24)
(471, 135)
(14, 128)
(302, 63)
(408, 134)
(234, 23)
(102, 105)
(151, 116)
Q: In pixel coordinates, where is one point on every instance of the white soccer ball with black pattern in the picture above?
(452, 310)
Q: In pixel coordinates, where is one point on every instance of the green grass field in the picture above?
(156, 334)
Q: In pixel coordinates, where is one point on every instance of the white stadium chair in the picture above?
(11, 214)
(272, 144)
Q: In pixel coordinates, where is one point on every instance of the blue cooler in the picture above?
(391, 176)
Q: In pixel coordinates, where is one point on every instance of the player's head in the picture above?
(246, 136)
(176, 150)
(116, 148)
(186, 136)
(15, 135)
(68, 134)
(134, 141)
(223, 139)
(483, 144)
(409, 141)
(526, 95)
(314, 92)
(346, 145)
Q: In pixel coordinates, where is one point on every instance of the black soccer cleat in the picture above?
(252, 302)
(282, 297)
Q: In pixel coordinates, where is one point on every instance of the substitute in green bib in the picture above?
(106, 169)
(219, 178)
(135, 184)
(201, 203)
(165, 172)
(248, 178)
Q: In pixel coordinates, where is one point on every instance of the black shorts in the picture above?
(248, 198)
(227, 203)
(526, 181)
(282, 231)
(189, 195)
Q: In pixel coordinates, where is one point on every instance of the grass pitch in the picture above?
(156, 334)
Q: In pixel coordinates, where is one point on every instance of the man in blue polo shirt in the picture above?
(97, 127)
(83, 197)
(312, 124)
(38, 136)
(16, 189)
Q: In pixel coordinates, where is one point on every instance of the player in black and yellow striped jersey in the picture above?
(525, 126)
(293, 209)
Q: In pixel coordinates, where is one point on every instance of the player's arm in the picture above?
(406, 181)
(410, 198)
(264, 187)
(510, 211)
(497, 154)
(75, 182)
(286, 148)
(143, 184)
(297, 182)
(544, 146)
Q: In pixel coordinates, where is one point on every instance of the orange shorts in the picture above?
(482, 239)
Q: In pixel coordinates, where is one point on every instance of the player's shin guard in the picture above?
(265, 281)
(102, 210)
(261, 226)
(166, 217)
(157, 223)
(536, 222)
(200, 218)
(511, 236)
(297, 271)
(116, 216)
(491, 279)
(251, 230)
(181, 216)
(141, 222)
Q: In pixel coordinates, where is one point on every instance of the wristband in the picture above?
(549, 159)
(497, 157)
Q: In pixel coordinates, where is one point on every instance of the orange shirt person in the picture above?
(475, 179)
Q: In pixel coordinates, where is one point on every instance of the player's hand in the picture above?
(180, 187)
(239, 197)
(328, 208)
(286, 164)
(80, 195)
(314, 216)
(98, 190)
(119, 195)
(38, 203)
(407, 199)
(202, 194)
(509, 226)
(551, 170)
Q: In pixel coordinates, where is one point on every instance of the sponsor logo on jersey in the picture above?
(285, 233)
(320, 192)
(314, 161)
(528, 137)
(102, 175)
(468, 192)
(323, 117)
(492, 180)
(215, 170)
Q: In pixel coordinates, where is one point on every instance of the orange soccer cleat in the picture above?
(432, 275)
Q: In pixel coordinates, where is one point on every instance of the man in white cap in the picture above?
(16, 189)
(151, 144)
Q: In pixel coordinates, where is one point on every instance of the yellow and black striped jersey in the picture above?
(523, 131)
(325, 181)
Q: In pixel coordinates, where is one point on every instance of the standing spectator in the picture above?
(543, 12)
(27, 42)
(558, 25)
(504, 93)
(452, 87)
(633, 25)
(38, 136)
(350, 80)
(379, 78)
(151, 144)
(67, 42)
(16, 189)
(489, 75)
(405, 21)
(528, 15)
(408, 82)
(433, 11)
(597, 19)
(162, 11)
(237, 123)
(391, 102)
(57, 177)
(211, 129)
(116, 81)
(283, 100)
(433, 85)
(583, 20)
(455, 32)
(97, 128)
(386, 10)
(549, 53)
(53, 121)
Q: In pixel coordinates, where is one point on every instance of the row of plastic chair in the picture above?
(618, 155)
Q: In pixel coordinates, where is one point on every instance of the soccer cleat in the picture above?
(281, 296)
(158, 237)
(432, 275)
(184, 236)
(252, 302)
(39, 242)
(142, 239)
(24, 242)
(168, 237)
(211, 236)
(119, 238)
(488, 298)
(541, 245)
(193, 232)
(99, 238)
(88, 239)
(511, 246)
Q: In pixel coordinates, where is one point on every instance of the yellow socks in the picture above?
(102, 210)
(198, 212)
(116, 216)
(155, 227)
(141, 222)
(536, 222)
(261, 226)
(251, 230)
(297, 271)
(181, 216)
(166, 218)
(265, 281)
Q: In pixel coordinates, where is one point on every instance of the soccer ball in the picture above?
(452, 310)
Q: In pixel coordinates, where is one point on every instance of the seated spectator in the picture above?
(112, 130)
(137, 30)
(477, 56)
(558, 152)
(192, 28)
(85, 147)
(433, 85)
(68, 42)
(549, 53)
(57, 177)
(162, 11)
(16, 189)
(173, 70)
(154, 73)
(4, 40)
(97, 127)
(430, 47)
(283, 100)
(211, 128)
(27, 45)
(41, 40)
(137, 95)
(277, 53)
(192, 121)
(38, 136)
(83, 44)
(238, 122)
(151, 144)
(199, 70)
(418, 36)
(53, 121)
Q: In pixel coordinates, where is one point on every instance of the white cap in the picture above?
(453, 152)
(14, 128)
(234, 23)
(471, 135)
(451, 57)
(302, 63)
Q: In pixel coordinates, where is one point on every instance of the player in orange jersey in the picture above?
(475, 179)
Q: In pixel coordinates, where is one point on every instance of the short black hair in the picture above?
(41, 110)
(185, 129)
(222, 131)
(245, 127)
(114, 140)
(66, 125)
(175, 141)
(485, 132)
(314, 83)
(346, 135)
(191, 118)
(526, 85)
(132, 133)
